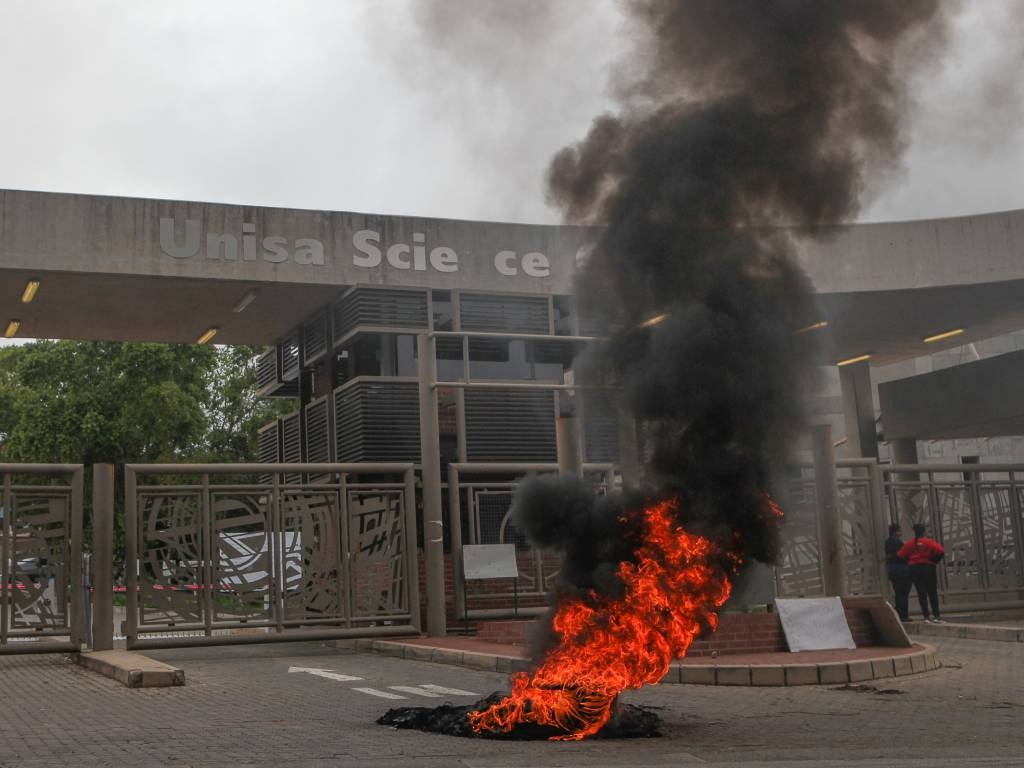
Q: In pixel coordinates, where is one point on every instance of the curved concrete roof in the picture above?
(108, 270)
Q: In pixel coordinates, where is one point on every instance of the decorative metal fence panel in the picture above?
(219, 554)
(799, 571)
(41, 596)
(974, 510)
(480, 509)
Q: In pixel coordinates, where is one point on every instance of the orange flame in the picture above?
(610, 644)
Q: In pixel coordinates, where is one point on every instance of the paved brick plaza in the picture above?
(242, 707)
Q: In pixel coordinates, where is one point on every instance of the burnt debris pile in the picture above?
(628, 722)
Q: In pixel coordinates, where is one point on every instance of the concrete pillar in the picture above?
(567, 445)
(430, 461)
(629, 455)
(859, 409)
(103, 557)
(830, 526)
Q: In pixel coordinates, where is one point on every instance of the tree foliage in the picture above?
(86, 402)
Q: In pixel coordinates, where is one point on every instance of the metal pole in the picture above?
(880, 518)
(206, 550)
(131, 560)
(85, 595)
(629, 456)
(1017, 525)
(831, 543)
(568, 446)
(6, 558)
(430, 460)
(411, 558)
(455, 532)
(103, 556)
(77, 615)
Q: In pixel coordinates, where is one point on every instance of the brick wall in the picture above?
(737, 632)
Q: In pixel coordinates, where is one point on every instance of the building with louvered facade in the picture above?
(353, 368)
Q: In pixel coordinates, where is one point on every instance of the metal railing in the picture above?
(486, 518)
(218, 553)
(975, 512)
(863, 521)
(41, 596)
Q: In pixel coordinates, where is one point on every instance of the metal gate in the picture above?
(862, 520)
(479, 503)
(230, 553)
(41, 596)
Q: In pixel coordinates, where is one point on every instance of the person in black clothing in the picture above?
(898, 572)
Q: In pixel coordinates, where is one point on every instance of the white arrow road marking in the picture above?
(415, 690)
(325, 673)
(449, 691)
(381, 694)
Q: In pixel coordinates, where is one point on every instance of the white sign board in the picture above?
(489, 561)
(815, 624)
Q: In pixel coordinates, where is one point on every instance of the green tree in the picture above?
(87, 402)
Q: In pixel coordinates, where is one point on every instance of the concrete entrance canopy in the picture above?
(885, 287)
(132, 269)
(129, 269)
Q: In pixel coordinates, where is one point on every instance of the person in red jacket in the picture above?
(923, 554)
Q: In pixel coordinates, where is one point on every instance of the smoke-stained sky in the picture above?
(449, 109)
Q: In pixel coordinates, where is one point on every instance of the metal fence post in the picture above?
(831, 545)
(103, 557)
(411, 559)
(881, 521)
(76, 621)
(430, 461)
(455, 531)
(131, 559)
(6, 558)
(85, 595)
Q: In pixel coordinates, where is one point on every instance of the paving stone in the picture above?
(701, 675)
(448, 656)
(484, 661)
(882, 668)
(860, 670)
(419, 652)
(802, 674)
(242, 709)
(738, 675)
(917, 662)
(767, 675)
(509, 664)
(902, 666)
(385, 648)
(833, 674)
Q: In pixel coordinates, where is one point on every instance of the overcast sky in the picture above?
(405, 106)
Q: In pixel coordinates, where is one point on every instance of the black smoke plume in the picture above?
(744, 124)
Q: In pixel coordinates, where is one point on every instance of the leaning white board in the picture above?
(815, 624)
(489, 561)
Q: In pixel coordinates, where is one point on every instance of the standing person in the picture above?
(923, 554)
(898, 571)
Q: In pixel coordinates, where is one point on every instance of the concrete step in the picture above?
(966, 631)
(132, 669)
